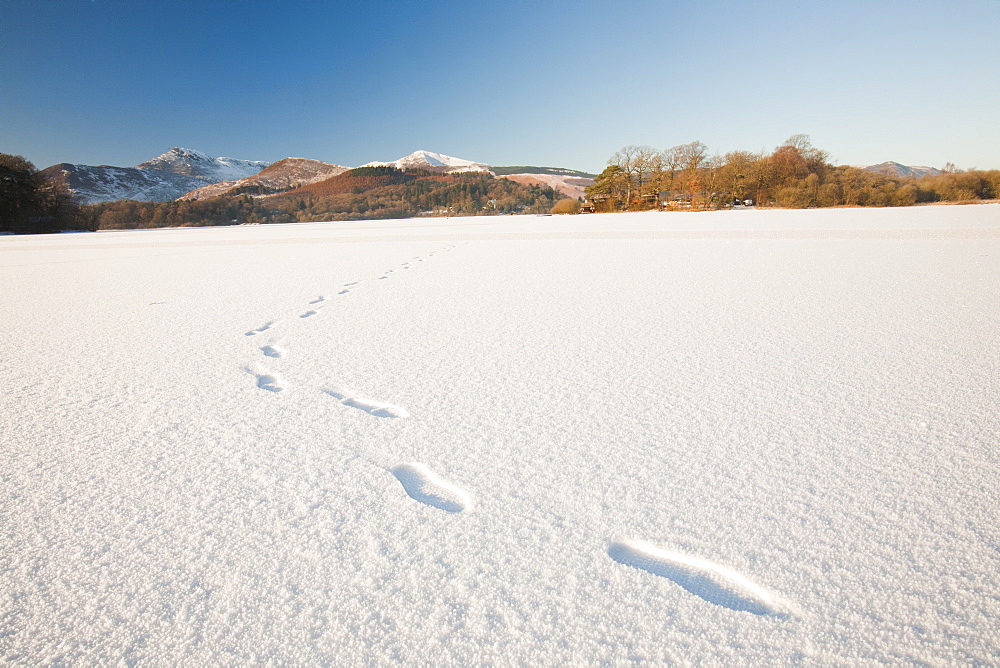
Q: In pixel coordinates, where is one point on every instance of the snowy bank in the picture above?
(738, 437)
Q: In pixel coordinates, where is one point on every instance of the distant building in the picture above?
(675, 200)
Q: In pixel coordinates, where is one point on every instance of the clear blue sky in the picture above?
(539, 82)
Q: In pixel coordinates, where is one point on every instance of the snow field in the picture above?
(665, 424)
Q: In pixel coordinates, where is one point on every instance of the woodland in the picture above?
(795, 175)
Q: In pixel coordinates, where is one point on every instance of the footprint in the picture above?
(712, 582)
(272, 351)
(263, 328)
(370, 406)
(309, 314)
(425, 486)
(318, 300)
(271, 382)
(344, 291)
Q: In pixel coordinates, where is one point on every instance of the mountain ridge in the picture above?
(189, 174)
(433, 162)
(891, 168)
(163, 178)
(285, 174)
(189, 162)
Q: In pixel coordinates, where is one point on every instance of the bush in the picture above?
(905, 196)
(566, 206)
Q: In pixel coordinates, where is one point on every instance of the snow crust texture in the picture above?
(431, 442)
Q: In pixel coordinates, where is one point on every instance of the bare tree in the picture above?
(712, 182)
(736, 175)
(669, 162)
(690, 160)
(646, 166)
(624, 160)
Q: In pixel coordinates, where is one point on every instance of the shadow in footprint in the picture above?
(370, 406)
(425, 486)
(272, 351)
(712, 582)
(263, 328)
(271, 382)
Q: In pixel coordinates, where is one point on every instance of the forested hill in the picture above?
(363, 193)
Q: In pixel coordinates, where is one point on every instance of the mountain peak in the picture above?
(892, 168)
(165, 177)
(176, 155)
(189, 162)
(435, 162)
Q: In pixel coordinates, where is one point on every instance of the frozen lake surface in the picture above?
(739, 437)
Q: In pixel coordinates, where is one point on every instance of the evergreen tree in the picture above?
(30, 203)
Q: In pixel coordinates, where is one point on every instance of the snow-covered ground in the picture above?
(745, 437)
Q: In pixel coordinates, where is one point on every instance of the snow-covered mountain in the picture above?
(282, 175)
(165, 177)
(189, 162)
(90, 184)
(434, 162)
(891, 168)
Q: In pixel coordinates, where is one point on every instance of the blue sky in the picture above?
(543, 82)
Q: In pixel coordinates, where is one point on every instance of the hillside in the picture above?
(555, 171)
(357, 180)
(165, 177)
(571, 186)
(90, 184)
(385, 191)
(899, 171)
(363, 193)
(282, 175)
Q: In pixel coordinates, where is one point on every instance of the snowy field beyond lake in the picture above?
(743, 437)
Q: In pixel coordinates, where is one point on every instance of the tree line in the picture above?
(794, 175)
